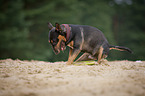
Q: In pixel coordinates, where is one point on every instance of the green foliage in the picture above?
(24, 32)
(13, 30)
(131, 32)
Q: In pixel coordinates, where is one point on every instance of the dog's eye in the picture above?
(54, 42)
(51, 41)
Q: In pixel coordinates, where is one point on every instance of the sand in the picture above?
(38, 78)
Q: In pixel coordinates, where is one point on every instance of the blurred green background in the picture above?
(24, 31)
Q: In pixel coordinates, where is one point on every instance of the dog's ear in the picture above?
(50, 26)
(58, 29)
(57, 26)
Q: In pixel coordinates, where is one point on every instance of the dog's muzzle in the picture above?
(61, 47)
(56, 50)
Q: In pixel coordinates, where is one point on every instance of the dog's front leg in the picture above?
(73, 53)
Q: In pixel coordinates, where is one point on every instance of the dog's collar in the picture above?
(68, 31)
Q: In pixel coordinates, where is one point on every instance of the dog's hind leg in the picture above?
(100, 54)
(85, 57)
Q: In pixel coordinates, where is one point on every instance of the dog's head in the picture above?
(56, 38)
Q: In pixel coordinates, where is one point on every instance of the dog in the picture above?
(80, 38)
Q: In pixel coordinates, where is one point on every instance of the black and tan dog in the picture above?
(80, 38)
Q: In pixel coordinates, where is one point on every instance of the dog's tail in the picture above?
(120, 48)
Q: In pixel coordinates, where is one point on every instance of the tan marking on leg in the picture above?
(71, 44)
(104, 56)
(84, 57)
(70, 52)
(72, 57)
(80, 58)
(100, 54)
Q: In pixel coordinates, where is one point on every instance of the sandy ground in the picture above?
(38, 78)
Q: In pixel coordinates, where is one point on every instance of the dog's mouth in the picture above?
(56, 50)
(62, 47)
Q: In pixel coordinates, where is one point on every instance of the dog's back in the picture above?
(90, 38)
